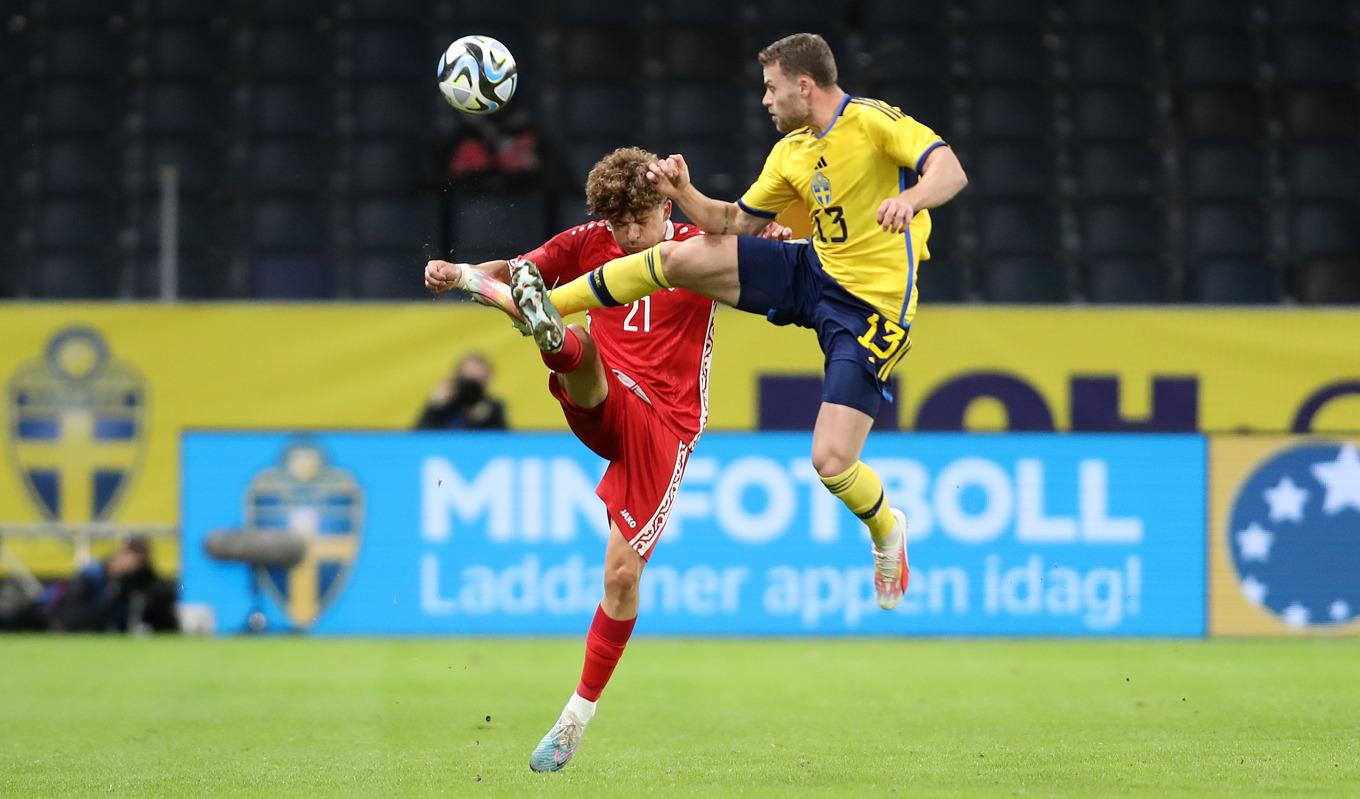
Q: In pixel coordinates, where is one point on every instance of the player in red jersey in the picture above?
(634, 389)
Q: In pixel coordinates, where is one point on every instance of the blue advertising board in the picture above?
(483, 533)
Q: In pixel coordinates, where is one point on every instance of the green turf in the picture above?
(281, 717)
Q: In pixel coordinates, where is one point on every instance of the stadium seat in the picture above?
(1229, 113)
(1324, 172)
(200, 224)
(291, 53)
(394, 108)
(1220, 229)
(795, 15)
(1118, 170)
(86, 10)
(1128, 280)
(714, 165)
(1226, 171)
(1005, 56)
(73, 276)
(1111, 57)
(294, 11)
(510, 224)
(942, 279)
(383, 166)
(568, 209)
(186, 109)
(1216, 57)
(78, 108)
(1128, 13)
(290, 109)
(289, 225)
(1235, 282)
(1326, 113)
(702, 109)
(1006, 12)
(909, 55)
(83, 52)
(188, 52)
(1208, 13)
(71, 224)
(390, 11)
(1122, 229)
(606, 53)
(1019, 229)
(1317, 57)
(81, 167)
(1326, 229)
(285, 276)
(289, 166)
(185, 10)
(390, 277)
(604, 110)
(391, 52)
(1114, 114)
(201, 165)
(1013, 113)
(1330, 281)
(1015, 170)
(406, 224)
(502, 12)
(701, 53)
(886, 14)
(1312, 13)
(1025, 280)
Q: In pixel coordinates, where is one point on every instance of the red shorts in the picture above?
(646, 459)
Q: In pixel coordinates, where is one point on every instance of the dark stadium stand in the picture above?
(1136, 151)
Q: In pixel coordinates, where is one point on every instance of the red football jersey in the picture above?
(661, 345)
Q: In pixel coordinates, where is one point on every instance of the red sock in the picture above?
(567, 358)
(604, 647)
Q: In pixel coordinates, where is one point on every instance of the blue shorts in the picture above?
(785, 282)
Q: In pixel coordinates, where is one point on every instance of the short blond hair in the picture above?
(618, 188)
(803, 54)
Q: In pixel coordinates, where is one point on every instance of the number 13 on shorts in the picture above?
(886, 342)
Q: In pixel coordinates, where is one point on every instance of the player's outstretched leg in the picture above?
(490, 292)
(531, 299)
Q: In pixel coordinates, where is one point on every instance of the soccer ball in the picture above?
(477, 75)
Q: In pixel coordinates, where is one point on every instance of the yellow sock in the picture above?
(618, 282)
(862, 492)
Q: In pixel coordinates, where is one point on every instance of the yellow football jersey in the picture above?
(871, 152)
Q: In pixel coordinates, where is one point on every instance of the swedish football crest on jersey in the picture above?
(77, 425)
(821, 189)
(306, 496)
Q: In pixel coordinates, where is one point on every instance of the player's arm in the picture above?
(440, 276)
(671, 176)
(915, 146)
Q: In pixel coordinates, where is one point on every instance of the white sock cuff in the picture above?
(580, 707)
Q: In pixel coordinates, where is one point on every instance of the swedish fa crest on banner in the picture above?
(306, 496)
(77, 426)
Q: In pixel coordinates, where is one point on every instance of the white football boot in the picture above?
(537, 311)
(557, 747)
(891, 571)
(489, 291)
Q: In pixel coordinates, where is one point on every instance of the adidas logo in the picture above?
(821, 163)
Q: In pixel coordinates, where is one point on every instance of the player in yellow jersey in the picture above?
(868, 172)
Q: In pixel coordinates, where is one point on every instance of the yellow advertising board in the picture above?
(97, 394)
(1284, 535)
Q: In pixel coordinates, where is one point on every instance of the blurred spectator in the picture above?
(118, 594)
(500, 152)
(461, 402)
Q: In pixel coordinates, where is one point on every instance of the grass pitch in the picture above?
(300, 717)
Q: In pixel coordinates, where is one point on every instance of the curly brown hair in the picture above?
(617, 187)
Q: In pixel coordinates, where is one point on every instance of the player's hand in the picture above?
(669, 175)
(895, 214)
(776, 232)
(440, 276)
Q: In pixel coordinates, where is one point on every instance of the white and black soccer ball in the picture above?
(477, 75)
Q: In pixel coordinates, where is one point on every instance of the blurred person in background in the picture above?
(461, 402)
(121, 593)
